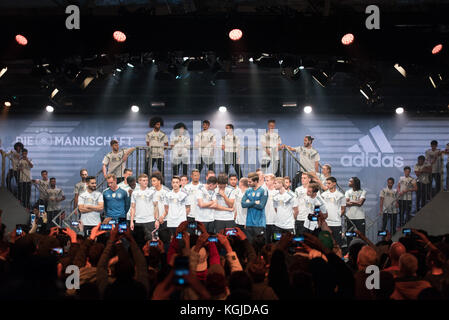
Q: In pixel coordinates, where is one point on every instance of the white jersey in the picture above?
(310, 204)
(307, 157)
(14, 156)
(176, 202)
(231, 145)
(24, 170)
(406, 183)
(301, 194)
(224, 215)
(181, 148)
(270, 213)
(433, 156)
(390, 199)
(241, 212)
(284, 204)
(53, 195)
(192, 191)
(160, 198)
(206, 142)
(271, 141)
(94, 198)
(333, 201)
(43, 186)
(354, 212)
(145, 202)
(205, 214)
(114, 162)
(156, 141)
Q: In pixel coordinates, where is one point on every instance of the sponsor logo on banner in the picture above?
(374, 151)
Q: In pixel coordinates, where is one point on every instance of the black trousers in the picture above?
(299, 227)
(222, 224)
(359, 224)
(12, 174)
(255, 233)
(265, 166)
(336, 234)
(175, 169)
(159, 164)
(233, 156)
(269, 232)
(200, 166)
(393, 217)
(405, 209)
(423, 194)
(25, 193)
(142, 232)
(437, 178)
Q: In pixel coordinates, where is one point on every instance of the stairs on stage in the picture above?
(13, 211)
(433, 218)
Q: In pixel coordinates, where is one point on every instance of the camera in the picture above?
(351, 234)
(382, 233)
(230, 232)
(407, 231)
(154, 243)
(106, 227)
(181, 267)
(41, 209)
(122, 227)
(33, 218)
(212, 239)
(277, 236)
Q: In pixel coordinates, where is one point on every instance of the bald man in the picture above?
(397, 249)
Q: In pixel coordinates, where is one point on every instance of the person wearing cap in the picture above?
(308, 156)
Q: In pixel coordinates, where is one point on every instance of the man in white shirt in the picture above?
(315, 207)
(205, 142)
(192, 190)
(24, 169)
(180, 146)
(224, 211)
(143, 211)
(184, 181)
(42, 184)
(157, 141)
(270, 143)
(55, 197)
(303, 211)
(270, 212)
(14, 156)
(239, 211)
(308, 156)
(335, 202)
(261, 176)
(320, 178)
(355, 198)
(80, 187)
(207, 202)
(423, 171)
(115, 161)
(161, 192)
(233, 180)
(177, 206)
(406, 186)
(433, 156)
(90, 205)
(230, 144)
(124, 184)
(389, 206)
(286, 208)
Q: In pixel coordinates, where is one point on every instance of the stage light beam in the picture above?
(49, 109)
(135, 109)
(401, 70)
(307, 109)
(222, 109)
(347, 39)
(235, 34)
(400, 110)
(119, 36)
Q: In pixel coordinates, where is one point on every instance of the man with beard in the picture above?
(90, 205)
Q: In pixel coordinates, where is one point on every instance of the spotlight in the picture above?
(301, 67)
(21, 40)
(3, 71)
(54, 93)
(49, 108)
(222, 109)
(119, 36)
(401, 70)
(307, 109)
(437, 49)
(118, 70)
(366, 90)
(400, 110)
(7, 104)
(130, 65)
(347, 39)
(251, 60)
(135, 109)
(289, 104)
(235, 34)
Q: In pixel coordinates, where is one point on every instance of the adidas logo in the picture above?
(371, 152)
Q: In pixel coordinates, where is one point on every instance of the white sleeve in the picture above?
(363, 196)
(81, 200)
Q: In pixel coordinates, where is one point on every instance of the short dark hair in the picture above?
(19, 144)
(44, 171)
(230, 125)
(195, 170)
(53, 178)
(332, 179)
(90, 178)
(212, 180)
(180, 125)
(390, 179)
(222, 179)
(421, 157)
(206, 121)
(357, 185)
(157, 175)
(176, 177)
(24, 150)
(271, 121)
(407, 168)
(232, 175)
(127, 170)
(130, 179)
(310, 138)
(434, 142)
(113, 142)
(253, 176)
(185, 176)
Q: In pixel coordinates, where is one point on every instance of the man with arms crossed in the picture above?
(156, 140)
(239, 211)
(406, 186)
(271, 142)
(206, 142)
(143, 212)
(207, 202)
(270, 213)
(389, 206)
(230, 144)
(55, 197)
(90, 205)
(286, 208)
(224, 211)
(116, 200)
(161, 192)
(255, 199)
(192, 190)
(335, 202)
(303, 212)
(177, 206)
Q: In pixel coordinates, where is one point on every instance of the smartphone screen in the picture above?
(122, 227)
(212, 239)
(298, 239)
(351, 234)
(231, 232)
(154, 244)
(19, 231)
(277, 236)
(181, 270)
(41, 209)
(407, 231)
(106, 227)
(179, 236)
(382, 233)
(33, 217)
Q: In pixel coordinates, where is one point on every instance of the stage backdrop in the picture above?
(368, 147)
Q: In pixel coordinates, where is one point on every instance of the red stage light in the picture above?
(119, 36)
(235, 34)
(347, 39)
(437, 48)
(21, 40)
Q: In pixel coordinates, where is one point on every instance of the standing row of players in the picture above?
(259, 204)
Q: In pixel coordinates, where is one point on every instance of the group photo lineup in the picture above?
(242, 151)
